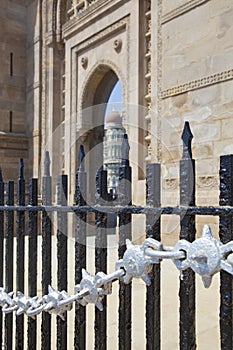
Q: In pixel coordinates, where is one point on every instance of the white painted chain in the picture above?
(205, 256)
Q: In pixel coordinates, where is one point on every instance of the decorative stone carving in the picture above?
(149, 25)
(117, 44)
(148, 106)
(198, 83)
(84, 62)
(170, 184)
(159, 78)
(207, 182)
(148, 46)
(83, 8)
(103, 34)
(90, 77)
(119, 26)
(147, 89)
(148, 66)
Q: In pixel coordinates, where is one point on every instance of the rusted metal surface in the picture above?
(62, 189)
(125, 291)
(204, 256)
(20, 234)
(187, 232)
(153, 227)
(101, 259)
(2, 186)
(32, 255)
(80, 249)
(46, 252)
(9, 259)
(226, 235)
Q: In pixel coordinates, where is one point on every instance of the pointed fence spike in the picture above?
(81, 155)
(47, 164)
(206, 232)
(187, 137)
(21, 168)
(125, 150)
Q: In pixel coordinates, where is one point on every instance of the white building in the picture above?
(113, 136)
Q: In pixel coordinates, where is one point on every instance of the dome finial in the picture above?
(114, 117)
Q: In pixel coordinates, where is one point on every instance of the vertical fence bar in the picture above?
(80, 250)
(32, 257)
(124, 233)
(9, 260)
(62, 257)
(20, 229)
(187, 231)
(153, 230)
(226, 235)
(1, 249)
(46, 252)
(101, 259)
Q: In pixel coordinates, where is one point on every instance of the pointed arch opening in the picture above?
(99, 95)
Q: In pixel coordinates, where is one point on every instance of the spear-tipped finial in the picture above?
(81, 155)
(187, 137)
(125, 150)
(21, 167)
(1, 179)
(47, 164)
(206, 232)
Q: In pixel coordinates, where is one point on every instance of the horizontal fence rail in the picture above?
(47, 222)
(156, 211)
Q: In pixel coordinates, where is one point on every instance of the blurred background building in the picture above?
(113, 137)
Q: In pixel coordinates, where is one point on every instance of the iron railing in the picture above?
(14, 219)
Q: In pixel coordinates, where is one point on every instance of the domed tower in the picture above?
(113, 136)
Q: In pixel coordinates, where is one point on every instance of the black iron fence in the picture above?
(21, 220)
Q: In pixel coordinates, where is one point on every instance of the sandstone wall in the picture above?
(196, 85)
(175, 60)
(13, 129)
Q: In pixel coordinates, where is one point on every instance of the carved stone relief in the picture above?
(198, 83)
(117, 44)
(147, 92)
(207, 182)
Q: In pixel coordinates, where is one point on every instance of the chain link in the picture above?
(205, 256)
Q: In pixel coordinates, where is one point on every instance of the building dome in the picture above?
(114, 118)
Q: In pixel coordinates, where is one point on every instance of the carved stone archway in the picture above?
(103, 72)
(96, 92)
(94, 63)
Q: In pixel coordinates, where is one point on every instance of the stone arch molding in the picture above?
(93, 79)
(95, 91)
(59, 15)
